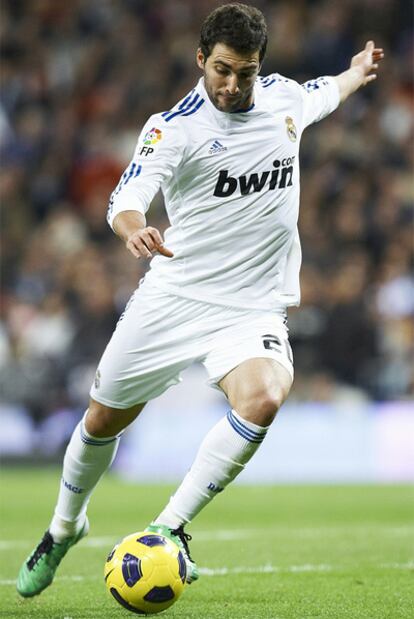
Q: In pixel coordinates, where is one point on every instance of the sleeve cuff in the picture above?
(118, 205)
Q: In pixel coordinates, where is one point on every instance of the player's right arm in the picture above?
(141, 240)
(159, 151)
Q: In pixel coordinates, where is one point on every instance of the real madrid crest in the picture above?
(291, 129)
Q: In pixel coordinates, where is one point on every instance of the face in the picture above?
(229, 77)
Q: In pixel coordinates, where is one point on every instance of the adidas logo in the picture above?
(216, 147)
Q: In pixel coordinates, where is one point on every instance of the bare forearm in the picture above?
(128, 222)
(349, 81)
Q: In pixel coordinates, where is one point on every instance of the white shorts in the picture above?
(159, 335)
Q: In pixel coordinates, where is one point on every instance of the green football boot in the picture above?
(38, 571)
(179, 537)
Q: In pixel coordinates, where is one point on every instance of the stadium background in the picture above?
(78, 80)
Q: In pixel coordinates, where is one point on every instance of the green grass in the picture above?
(331, 551)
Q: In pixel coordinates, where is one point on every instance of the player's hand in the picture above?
(368, 61)
(144, 242)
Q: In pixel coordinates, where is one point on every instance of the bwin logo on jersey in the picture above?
(279, 178)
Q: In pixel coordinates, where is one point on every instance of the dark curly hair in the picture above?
(239, 26)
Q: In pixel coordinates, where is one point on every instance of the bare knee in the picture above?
(102, 421)
(261, 405)
(256, 389)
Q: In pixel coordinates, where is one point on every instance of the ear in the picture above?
(200, 59)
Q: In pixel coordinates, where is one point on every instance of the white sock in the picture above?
(85, 461)
(222, 455)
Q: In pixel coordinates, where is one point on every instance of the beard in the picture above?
(225, 103)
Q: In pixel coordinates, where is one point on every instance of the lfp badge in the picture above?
(153, 136)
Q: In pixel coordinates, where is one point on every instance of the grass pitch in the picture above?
(270, 552)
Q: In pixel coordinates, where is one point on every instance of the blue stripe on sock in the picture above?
(87, 441)
(242, 433)
(247, 433)
(254, 433)
(90, 441)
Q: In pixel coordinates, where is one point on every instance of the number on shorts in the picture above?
(272, 342)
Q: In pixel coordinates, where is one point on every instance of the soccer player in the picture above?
(226, 158)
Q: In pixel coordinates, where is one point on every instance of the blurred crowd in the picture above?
(79, 79)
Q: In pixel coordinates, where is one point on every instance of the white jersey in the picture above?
(231, 187)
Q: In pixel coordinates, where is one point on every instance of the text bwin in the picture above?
(279, 178)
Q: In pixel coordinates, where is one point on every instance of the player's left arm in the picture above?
(361, 72)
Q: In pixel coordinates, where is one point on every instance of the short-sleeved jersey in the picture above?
(231, 187)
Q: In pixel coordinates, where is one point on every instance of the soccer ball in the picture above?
(145, 572)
